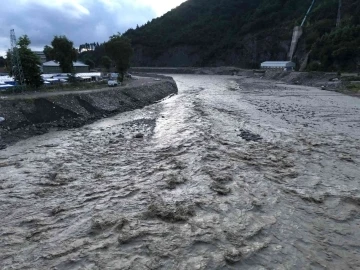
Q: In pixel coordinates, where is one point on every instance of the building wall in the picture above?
(273, 67)
(51, 69)
(54, 69)
(81, 69)
(277, 67)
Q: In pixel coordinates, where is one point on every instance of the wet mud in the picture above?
(229, 174)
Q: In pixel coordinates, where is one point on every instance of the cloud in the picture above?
(80, 20)
(159, 6)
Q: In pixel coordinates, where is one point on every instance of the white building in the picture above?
(284, 65)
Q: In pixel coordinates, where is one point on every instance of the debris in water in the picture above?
(139, 136)
(233, 256)
(220, 188)
(105, 221)
(346, 157)
(171, 212)
(172, 181)
(249, 136)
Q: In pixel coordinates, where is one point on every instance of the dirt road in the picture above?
(232, 173)
(131, 83)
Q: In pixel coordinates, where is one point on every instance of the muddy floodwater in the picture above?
(231, 173)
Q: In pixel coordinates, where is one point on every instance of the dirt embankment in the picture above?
(34, 114)
(329, 81)
(187, 70)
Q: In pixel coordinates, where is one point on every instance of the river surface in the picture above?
(231, 173)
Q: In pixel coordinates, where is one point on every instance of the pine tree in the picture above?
(30, 63)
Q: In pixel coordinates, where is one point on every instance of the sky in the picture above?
(80, 20)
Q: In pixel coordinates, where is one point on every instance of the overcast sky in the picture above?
(80, 20)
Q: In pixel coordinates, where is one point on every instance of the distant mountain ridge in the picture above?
(244, 33)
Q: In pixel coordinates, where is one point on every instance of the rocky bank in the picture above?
(37, 113)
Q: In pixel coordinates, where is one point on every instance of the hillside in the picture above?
(246, 32)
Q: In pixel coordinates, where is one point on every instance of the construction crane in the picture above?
(338, 20)
(17, 70)
(307, 13)
(297, 33)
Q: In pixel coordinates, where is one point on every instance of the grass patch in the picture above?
(353, 87)
(350, 78)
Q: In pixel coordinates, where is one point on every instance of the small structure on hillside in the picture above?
(53, 67)
(284, 65)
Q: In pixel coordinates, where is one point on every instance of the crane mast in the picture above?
(17, 70)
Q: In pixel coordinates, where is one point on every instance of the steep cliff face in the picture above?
(244, 33)
(178, 56)
(253, 50)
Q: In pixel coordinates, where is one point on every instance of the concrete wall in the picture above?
(35, 115)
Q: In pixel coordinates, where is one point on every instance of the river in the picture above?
(231, 173)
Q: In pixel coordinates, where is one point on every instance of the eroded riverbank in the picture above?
(228, 174)
(35, 113)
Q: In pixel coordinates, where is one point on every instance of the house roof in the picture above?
(56, 64)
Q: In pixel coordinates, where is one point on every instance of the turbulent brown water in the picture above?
(228, 174)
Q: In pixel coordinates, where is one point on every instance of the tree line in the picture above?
(214, 27)
(88, 46)
(116, 53)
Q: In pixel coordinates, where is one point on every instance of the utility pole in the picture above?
(338, 21)
(15, 60)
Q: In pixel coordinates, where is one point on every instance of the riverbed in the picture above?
(231, 173)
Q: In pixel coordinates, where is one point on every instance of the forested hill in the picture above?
(246, 32)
